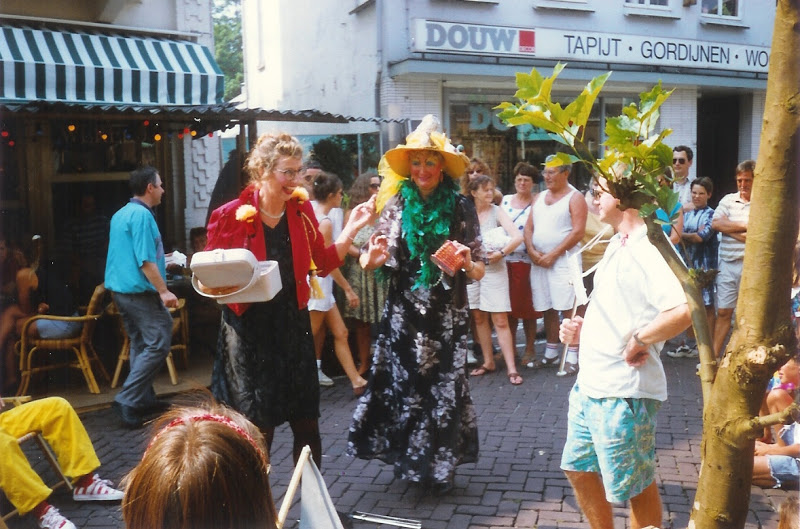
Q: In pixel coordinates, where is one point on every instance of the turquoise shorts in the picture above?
(614, 437)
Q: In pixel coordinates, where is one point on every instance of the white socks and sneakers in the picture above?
(88, 488)
(324, 380)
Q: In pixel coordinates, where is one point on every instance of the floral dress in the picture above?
(370, 288)
(417, 413)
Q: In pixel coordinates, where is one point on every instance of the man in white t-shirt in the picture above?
(682, 159)
(730, 220)
(637, 304)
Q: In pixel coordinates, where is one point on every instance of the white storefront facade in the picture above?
(458, 59)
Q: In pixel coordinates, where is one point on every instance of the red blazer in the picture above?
(225, 232)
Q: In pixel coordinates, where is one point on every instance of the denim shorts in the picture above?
(56, 329)
(784, 470)
(614, 437)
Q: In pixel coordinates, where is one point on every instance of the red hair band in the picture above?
(221, 419)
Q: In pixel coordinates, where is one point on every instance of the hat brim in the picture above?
(397, 158)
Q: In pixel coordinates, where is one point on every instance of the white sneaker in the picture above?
(324, 380)
(684, 351)
(52, 519)
(97, 490)
(471, 360)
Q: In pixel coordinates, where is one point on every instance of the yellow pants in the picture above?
(63, 430)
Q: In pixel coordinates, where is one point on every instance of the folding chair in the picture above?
(46, 450)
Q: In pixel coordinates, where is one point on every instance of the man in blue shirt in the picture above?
(135, 275)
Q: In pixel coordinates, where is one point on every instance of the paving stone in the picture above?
(516, 482)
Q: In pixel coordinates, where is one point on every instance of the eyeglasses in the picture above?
(374, 186)
(679, 161)
(290, 173)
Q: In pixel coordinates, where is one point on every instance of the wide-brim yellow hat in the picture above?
(427, 137)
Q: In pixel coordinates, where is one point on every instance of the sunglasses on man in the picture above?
(679, 161)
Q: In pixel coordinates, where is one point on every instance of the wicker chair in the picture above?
(81, 345)
(180, 341)
(46, 450)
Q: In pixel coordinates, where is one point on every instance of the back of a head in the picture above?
(206, 468)
(359, 191)
(325, 184)
(790, 513)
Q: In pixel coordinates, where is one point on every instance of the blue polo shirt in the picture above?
(133, 239)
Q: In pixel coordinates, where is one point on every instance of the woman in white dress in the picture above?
(489, 297)
(323, 311)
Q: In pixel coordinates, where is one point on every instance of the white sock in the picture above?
(319, 364)
(572, 355)
(551, 350)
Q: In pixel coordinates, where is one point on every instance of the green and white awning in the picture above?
(90, 67)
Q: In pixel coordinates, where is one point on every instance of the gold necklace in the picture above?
(270, 215)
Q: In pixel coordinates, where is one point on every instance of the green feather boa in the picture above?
(426, 225)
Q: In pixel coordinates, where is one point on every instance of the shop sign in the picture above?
(650, 50)
(474, 39)
(559, 44)
(481, 116)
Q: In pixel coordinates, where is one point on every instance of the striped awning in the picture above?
(40, 64)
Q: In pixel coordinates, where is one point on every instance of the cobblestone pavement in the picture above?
(516, 482)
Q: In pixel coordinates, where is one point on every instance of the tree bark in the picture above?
(762, 339)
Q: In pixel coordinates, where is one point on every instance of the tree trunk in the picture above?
(762, 338)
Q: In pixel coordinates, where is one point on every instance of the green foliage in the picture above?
(227, 17)
(636, 156)
(339, 155)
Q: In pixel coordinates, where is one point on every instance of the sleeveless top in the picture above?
(551, 224)
(489, 224)
(519, 216)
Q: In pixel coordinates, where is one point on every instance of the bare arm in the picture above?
(516, 238)
(527, 238)
(326, 229)
(777, 449)
(676, 230)
(577, 212)
(664, 326)
(150, 270)
(725, 225)
(722, 223)
(359, 217)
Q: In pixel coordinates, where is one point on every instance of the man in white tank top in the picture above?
(554, 230)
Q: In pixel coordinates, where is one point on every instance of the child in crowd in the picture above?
(207, 467)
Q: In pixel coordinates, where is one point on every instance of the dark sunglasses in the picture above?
(679, 161)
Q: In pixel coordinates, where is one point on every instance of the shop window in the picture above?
(650, 8)
(721, 8)
(648, 3)
(570, 5)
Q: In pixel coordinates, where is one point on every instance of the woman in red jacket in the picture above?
(265, 366)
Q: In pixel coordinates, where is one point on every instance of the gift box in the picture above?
(234, 276)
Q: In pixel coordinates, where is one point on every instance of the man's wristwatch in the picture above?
(637, 340)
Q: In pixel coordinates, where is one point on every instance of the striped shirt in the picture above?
(736, 210)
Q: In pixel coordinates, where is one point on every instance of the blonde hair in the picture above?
(205, 468)
(266, 152)
(789, 513)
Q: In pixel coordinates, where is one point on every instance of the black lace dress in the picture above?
(417, 413)
(265, 365)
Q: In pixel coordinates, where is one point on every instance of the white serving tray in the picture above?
(256, 281)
